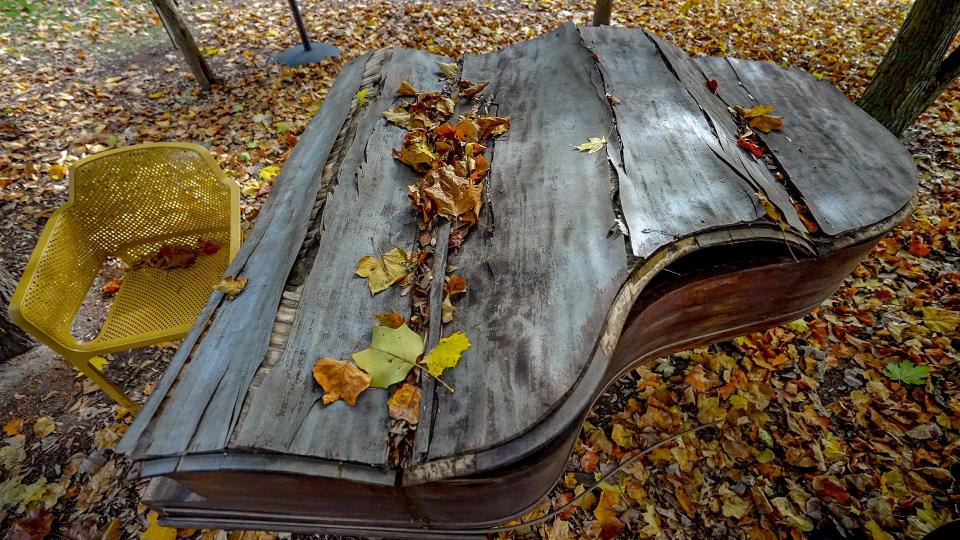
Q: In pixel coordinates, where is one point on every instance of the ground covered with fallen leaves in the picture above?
(842, 424)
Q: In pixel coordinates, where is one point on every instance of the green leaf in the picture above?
(907, 372)
(447, 353)
(593, 144)
(392, 354)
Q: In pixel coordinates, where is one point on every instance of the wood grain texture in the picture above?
(672, 180)
(239, 329)
(368, 213)
(541, 275)
(851, 171)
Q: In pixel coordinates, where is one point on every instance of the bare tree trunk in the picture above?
(601, 12)
(13, 341)
(183, 39)
(914, 72)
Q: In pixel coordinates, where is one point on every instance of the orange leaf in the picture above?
(456, 284)
(404, 404)
(113, 286)
(390, 318)
(13, 427)
(340, 379)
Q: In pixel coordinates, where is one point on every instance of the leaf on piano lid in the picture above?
(448, 70)
(593, 144)
(340, 379)
(447, 353)
(385, 271)
(392, 354)
(404, 404)
(391, 319)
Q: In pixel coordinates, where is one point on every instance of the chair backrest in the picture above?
(133, 200)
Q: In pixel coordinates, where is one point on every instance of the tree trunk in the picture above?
(601, 12)
(914, 72)
(183, 39)
(13, 341)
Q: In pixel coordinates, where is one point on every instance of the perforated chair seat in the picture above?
(129, 203)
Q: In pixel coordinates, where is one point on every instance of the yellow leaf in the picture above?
(381, 273)
(267, 174)
(57, 171)
(156, 531)
(13, 427)
(757, 110)
(449, 70)
(362, 97)
(251, 190)
(114, 530)
(940, 320)
(406, 89)
(593, 144)
(772, 211)
(404, 404)
(230, 286)
(113, 80)
(44, 426)
(340, 379)
(98, 362)
(766, 122)
(447, 353)
(155, 95)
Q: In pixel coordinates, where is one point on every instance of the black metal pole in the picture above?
(300, 27)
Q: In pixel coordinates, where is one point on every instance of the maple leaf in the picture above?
(155, 531)
(449, 193)
(230, 286)
(448, 70)
(906, 372)
(447, 353)
(385, 271)
(404, 404)
(593, 144)
(756, 110)
(940, 320)
(340, 379)
(418, 155)
(392, 354)
(13, 427)
(390, 319)
(766, 122)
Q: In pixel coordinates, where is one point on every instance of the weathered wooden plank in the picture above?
(231, 349)
(542, 273)
(368, 213)
(851, 171)
(672, 180)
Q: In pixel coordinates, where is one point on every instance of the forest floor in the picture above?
(842, 424)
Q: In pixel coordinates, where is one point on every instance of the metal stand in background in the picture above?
(308, 53)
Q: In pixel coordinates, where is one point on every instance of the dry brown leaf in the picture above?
(13, 427)
(491, 126)
(230, 286)
(404, 404)
(456, 284)
(391, 319)
(340, 379)
(406, 89)
(449, 194)
(766, 122)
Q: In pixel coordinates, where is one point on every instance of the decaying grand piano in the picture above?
(583, 266)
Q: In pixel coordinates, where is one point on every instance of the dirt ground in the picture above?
(819, 439)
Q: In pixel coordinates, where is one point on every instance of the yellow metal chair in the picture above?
(128, 203)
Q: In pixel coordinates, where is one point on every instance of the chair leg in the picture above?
(99, 379)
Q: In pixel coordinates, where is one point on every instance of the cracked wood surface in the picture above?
(544, 268)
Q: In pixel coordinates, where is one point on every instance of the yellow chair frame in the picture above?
(128, 203)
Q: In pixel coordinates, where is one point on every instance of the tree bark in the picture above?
(914, 72)
(13, 341)
(182, 38)
(601, 12)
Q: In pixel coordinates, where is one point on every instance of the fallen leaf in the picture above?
(391, 319)
(767, 123)
(791, 516)
(398, 116)
(447, 310)
(44, 426)
(13, 427)
(406, 89)
(907, 372)
(392, 354)
(155, 531)
(231, 286)
(362, 97)
(385, 271)
(448, 70)
(492, 126)
(756, 110)
(940, 320)
(169, 257)
(112, 287)
(750, 145)
(340, 379)
(471, 90)
(267, 174)
(593, 144)
(208, 247)
(448, 193)
(33, 528)
(712, 85)
(57, 171)
(447, 353)
(114, 530)
(404, 404)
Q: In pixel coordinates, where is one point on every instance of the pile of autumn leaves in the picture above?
(449, 157)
